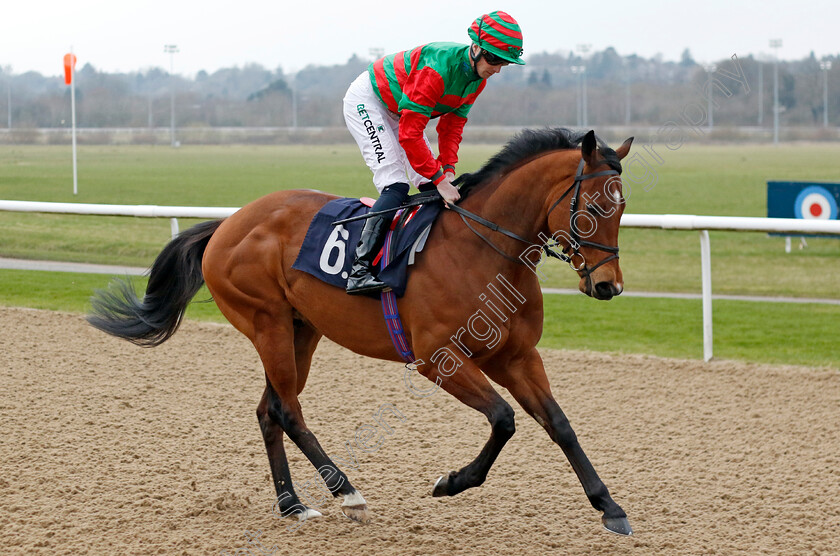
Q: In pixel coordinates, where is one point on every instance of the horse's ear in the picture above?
(624, 149)
(588, 147)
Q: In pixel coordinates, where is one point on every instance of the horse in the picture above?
(546, 189)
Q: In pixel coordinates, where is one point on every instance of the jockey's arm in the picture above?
(412, 126)
(413, 142)
(450, 130)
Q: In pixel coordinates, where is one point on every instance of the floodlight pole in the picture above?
(626, 92)
(583, 95)
(776, 44)
(9, 94)
(578, 70)
(824, 66)
(710, 69)
(760, 93)
(294, 102)
(171, 49)
(583, 49)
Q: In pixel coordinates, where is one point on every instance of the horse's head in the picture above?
(588, 228)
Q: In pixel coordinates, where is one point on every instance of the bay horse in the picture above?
(537, 191)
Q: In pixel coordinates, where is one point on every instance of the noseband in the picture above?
(576, 241)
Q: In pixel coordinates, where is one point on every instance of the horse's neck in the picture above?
(519, 200)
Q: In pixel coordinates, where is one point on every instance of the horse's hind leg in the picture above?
(306, 340)
(275, 343)
(471, 387)
(288, 502)
(525, 379)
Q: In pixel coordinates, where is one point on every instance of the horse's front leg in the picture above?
(525, 379)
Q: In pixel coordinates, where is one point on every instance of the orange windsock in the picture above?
(69, 63)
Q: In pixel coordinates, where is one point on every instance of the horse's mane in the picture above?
(529, 143)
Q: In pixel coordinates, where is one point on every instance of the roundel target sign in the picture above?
(815, 202)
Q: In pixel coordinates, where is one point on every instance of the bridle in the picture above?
(576, 241)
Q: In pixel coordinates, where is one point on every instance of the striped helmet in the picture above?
(499, 34)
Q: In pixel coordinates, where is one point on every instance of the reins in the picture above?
(464, 214)
(574, 245)
(576, 240)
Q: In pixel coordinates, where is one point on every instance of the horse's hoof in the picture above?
(357, 513)
(309, 513)
(355, 507)
(440, 486)
(617, 525)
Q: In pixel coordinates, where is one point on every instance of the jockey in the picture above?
(388, 106)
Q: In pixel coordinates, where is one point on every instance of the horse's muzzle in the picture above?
(606, 290)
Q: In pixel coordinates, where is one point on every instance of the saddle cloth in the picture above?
(327, 251)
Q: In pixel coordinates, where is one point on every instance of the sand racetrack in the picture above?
(108, 448)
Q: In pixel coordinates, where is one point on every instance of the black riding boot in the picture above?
(361, 280)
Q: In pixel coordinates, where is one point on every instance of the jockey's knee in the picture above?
(391, 197)
(398, 188)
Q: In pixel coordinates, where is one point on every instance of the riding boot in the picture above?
(361, 279)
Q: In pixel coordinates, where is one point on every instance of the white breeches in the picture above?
(376, 131)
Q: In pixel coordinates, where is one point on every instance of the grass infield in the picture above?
(715, 180)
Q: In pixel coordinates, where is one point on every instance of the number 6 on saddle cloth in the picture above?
(327, 250)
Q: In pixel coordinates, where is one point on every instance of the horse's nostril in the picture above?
(606, 290)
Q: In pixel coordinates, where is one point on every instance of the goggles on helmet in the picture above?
(492, 59)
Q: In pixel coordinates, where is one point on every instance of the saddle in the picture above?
(327, 250)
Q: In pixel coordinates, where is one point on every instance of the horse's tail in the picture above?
(174, 279)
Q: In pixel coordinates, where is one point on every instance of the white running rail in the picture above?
(703, 224)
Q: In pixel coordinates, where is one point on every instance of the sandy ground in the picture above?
(108, 448)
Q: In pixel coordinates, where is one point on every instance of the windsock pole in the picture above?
(70, 79)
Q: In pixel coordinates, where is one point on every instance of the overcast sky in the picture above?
(115, 35)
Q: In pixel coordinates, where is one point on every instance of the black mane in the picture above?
(529, 143)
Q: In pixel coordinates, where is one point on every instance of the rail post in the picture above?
(706, 279)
